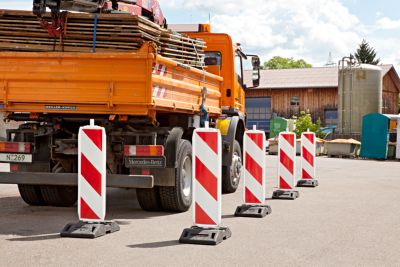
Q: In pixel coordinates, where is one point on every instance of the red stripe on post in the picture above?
(91, 174)
(305, 175)
(211, 139)
(308, 156)
(254, 169)
(310, 137)
(257, 139)
(202, 217)
(250, 197)
(96, 136)
(207, 179)
(287, 161)
(87, 212)
(283, 184)
(289, 138)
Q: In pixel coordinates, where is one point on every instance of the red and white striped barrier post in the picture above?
(286, 167)
(308, 160)
(207, 184)
(254, 176)
(92, 173)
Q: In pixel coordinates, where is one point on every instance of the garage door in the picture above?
(259, 112)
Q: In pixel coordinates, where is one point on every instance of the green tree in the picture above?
(285, 63)
(366, 54)
(305, 123)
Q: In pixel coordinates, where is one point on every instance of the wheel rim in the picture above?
(236, 168)
(186, 173)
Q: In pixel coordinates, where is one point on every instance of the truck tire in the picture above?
(231, 175)
(178, 198)
(31, 195)
(59, 196)
(149, 199)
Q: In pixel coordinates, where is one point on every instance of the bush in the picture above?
(305, 123)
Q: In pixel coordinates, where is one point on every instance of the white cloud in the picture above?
(308, 29)
(386, 23)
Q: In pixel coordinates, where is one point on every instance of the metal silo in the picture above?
(360, 93)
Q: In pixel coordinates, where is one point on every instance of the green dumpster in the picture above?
(277, 126)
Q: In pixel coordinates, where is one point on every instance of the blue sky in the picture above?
(308, 29)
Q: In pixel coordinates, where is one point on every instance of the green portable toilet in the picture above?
(375, 136)
(277, 126)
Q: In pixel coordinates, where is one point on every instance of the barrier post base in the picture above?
(307, 183)
(205, 236)
(89, 230)
(285, 194)
(253, 211)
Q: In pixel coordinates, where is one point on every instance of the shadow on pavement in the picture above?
(161, 244)
(27, 223)
(231, 216)
(36, 238)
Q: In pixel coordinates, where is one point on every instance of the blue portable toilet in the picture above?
(375, 136)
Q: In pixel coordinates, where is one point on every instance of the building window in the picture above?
(295, 101)
(331, 117)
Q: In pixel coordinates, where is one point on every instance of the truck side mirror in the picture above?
(255, 61)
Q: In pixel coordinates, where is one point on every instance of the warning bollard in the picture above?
(207, 183)
(92, 171)
(254, 176)
(308, 153)
(286, 167)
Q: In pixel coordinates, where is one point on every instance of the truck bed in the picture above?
(136, 84)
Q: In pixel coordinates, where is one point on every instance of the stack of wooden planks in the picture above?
(82, 32)
(182, 48)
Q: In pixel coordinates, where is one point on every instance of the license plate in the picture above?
(16, 158)
(145, 162)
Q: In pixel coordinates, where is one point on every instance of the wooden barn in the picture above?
(287, 92)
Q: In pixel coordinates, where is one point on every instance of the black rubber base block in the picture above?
(253, 211)
(89, 230)
(307, 183)
(205, 236)
(284, 194)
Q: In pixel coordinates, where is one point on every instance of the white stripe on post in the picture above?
(207, 174)
(287, 161)
(92, 174)
(254, 167)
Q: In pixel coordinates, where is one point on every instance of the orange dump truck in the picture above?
(148, 104)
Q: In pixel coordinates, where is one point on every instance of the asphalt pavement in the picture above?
(351, 219)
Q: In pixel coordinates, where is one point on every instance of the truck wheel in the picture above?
(179, 197)
(31, 195)
(231, 175)
(149, 199)
(59, 196)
